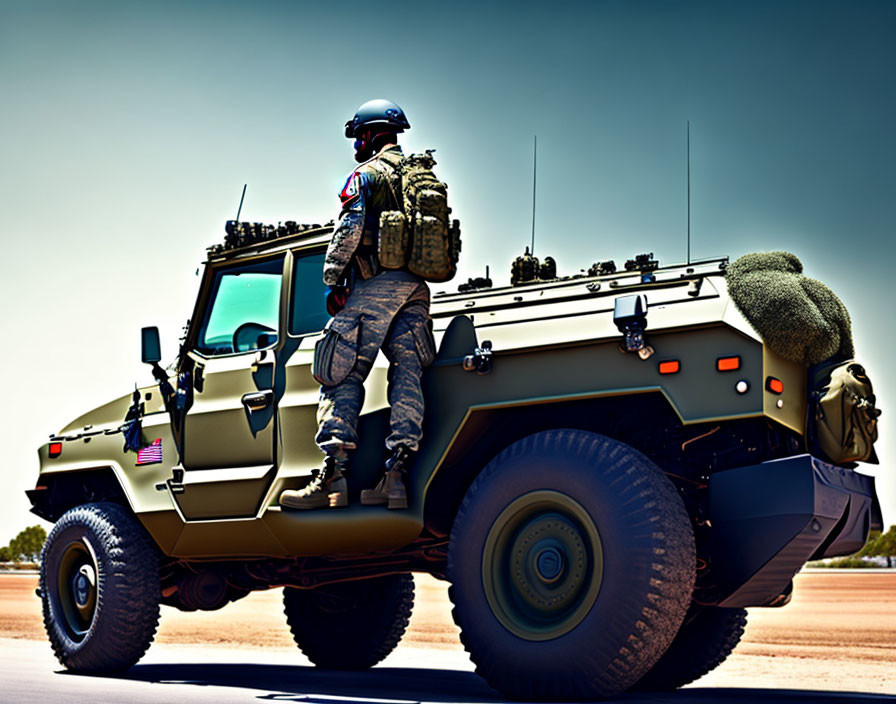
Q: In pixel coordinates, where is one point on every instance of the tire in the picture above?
(701, 645)
(99, 583)
(350, 625)
(571, 563)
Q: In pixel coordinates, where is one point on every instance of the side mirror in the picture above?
(151, 348)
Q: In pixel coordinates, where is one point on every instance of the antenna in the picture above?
(240, 209)
(689, 191)
(534, 173)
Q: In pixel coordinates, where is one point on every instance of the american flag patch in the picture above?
(151, 454)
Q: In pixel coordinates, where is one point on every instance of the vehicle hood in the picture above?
(111, 414)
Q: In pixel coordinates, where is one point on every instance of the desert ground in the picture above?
(837, 635)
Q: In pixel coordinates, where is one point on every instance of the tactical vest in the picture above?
(418, 235)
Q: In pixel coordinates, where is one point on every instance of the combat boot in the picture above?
(327, 488)
(391, 490)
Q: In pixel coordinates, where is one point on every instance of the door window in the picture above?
(244, 310)
(309, 304)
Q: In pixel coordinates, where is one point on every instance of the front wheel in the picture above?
(571, 564)
(99, 582)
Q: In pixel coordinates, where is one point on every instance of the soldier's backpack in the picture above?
(842, 415)
(421, 238)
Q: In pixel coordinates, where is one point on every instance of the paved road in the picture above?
(194, 675)
(838, 634)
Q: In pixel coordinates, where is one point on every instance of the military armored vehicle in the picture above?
(615, 465)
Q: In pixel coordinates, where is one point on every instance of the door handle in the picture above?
(259, 400)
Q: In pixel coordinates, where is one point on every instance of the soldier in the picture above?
(373, 308)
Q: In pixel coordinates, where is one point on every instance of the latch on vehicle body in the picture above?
(481, 359)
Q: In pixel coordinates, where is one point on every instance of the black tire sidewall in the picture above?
(125, 617)
(700, 646)
(627, 529)
(362, 634)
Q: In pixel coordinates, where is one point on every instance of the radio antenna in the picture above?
(534, 172)
(689, 192)
(240, 209)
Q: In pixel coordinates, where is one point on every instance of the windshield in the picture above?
(244, 310)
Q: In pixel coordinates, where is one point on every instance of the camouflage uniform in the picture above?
(392, 306)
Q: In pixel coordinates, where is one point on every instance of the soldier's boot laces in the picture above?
(327, 489)
(391, 490)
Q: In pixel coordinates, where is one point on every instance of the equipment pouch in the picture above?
(430, 256)
(336, 352)
(433, 202)
(393, 244)
(842, 415)
(425, 343)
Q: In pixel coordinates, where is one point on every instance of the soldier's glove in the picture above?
(336, 298)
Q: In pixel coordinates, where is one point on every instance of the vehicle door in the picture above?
(306, 318)
(230, 429)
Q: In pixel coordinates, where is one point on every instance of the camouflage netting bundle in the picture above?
(799, 318)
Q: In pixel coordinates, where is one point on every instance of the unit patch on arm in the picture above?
(351, 190)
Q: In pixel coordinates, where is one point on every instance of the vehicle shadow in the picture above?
(397, 685)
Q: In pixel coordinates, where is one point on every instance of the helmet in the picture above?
(383, 113)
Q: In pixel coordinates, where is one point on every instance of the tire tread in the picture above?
(360, 639)
(643, 488)
(127, 609)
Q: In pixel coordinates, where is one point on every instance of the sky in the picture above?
(127, 131)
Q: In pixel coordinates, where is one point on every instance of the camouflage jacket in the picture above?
(369, 190)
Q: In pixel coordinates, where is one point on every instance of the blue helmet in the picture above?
(377, 113)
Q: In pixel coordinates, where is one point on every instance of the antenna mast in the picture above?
(534, 173)
(689, 191)
(240, 209)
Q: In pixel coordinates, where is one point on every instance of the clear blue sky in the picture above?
(128, 130)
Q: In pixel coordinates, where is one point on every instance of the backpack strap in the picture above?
(394, 161)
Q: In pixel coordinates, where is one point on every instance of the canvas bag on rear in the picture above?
(842, 415)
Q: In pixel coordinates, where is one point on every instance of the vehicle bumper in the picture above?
(767, 520)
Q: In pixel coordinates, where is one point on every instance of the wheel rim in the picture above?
(77, 586)
(542, 565)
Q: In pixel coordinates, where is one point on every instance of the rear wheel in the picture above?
(701, 645)
(571, 564)
(99, 584)
(350, 625)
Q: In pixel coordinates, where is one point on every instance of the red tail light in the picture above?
(55, 449)
(671, 366)
(776, 386)
(728, 364)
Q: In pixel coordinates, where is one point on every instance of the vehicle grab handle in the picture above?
(258, 400)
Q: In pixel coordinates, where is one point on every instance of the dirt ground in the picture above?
(838, 633)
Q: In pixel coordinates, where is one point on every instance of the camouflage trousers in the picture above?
(393, 309)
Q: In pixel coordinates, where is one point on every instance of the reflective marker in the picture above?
(671, 366)
(55, 449)
(728, 364)
(776, 386)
